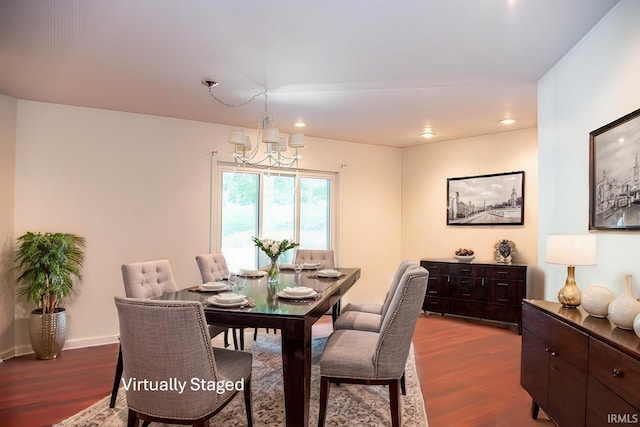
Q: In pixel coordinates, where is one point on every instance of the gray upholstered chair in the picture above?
(327, 258)
(311, 256)
(381, 356)
(150, 279)
(180, 348)
(212, 267)
(368, 316)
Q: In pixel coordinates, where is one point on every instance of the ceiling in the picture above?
(370, 71)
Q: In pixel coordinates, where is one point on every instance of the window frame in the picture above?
(215, 216)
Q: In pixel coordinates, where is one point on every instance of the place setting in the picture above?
(298, 294)
(328, 273)
(232, 299)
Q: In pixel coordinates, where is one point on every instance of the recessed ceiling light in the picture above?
(507, 121)
(299, 124)
(427, 135)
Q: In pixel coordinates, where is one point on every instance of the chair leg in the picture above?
(235, 339)
(403, 384)
(394, 403)
(132, 419)
(255, 334)
(116, 380)
(226, 338)
(241, 333)
(324, 395)
(247, 402)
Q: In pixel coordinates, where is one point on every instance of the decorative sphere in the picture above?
(596, 300)
(636, 325)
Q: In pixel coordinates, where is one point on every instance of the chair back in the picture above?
(178, 347)
(212, 267)
(399, 322)
(316, 255)
(404, 265)
(148, 279)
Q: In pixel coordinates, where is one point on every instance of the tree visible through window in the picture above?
(274, 205)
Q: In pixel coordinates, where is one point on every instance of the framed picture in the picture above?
(614, 175)
(496, 199)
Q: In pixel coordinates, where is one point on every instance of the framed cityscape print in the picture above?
(614, 175)
(496, 199)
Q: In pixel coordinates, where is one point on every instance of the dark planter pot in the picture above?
(48, 332)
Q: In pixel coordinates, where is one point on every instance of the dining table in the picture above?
(293, 317)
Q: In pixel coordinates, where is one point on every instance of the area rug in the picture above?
(349, 405)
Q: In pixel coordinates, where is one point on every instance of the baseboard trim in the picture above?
(68, 345)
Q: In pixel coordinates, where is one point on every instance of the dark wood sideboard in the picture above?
(581, 370)
(485, 291)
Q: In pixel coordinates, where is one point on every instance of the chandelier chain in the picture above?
(226, 104)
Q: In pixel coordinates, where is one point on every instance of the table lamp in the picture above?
(571, 250)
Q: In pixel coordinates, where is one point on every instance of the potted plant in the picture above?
(47, 264)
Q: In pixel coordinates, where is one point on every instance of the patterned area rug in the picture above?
(349, 405)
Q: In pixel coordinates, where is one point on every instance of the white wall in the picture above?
(8, 107)
(137, 187)
(425, 170)
(594, 84)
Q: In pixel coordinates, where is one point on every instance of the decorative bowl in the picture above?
(465, 258)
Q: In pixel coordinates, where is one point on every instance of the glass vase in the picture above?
(273, 273)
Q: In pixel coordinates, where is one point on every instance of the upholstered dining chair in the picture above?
(310, 256)
(149, 279)
(327, 258)
(214, 267)
(179, 350)
(381, 356)
(368, 316)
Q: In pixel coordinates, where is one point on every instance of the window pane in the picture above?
(239, 218)
(315, 213)
(278, 212)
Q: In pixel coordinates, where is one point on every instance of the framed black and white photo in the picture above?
(496, 199)
(614, 175)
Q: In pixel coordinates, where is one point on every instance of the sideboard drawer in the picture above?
(435, 267)
(505, 272)
(436, 304)
(470, 288)
(500, 291)
(536, 321)
(616, 370)
(467, 270)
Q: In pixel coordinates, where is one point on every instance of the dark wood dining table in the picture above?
(293, 318)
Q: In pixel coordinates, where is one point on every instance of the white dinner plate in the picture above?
(228, 297)
(298, 291)
(214, 286)
(252, 273)
(285, 295)
(312, 265)
(213, 301)
(329, 273)
(203, 288)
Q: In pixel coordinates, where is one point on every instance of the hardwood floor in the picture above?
(469, 374)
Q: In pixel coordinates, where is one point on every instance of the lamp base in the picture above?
(570, 296)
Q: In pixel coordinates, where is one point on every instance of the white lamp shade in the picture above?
(236, 137)
(296, 140)
(271, 135)
(281, 145)
(570, 249)
(247, 143)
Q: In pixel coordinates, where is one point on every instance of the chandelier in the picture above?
(275, 146)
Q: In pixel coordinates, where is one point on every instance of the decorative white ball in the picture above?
(596, 300)
(636, 325)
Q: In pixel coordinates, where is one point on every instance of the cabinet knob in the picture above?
(618, 373)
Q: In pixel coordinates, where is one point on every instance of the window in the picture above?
(276, 205)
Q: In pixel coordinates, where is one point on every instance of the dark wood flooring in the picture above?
(469, 374)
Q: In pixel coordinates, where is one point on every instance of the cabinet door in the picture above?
(604, 407)
(534, 370)
(567, 398)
